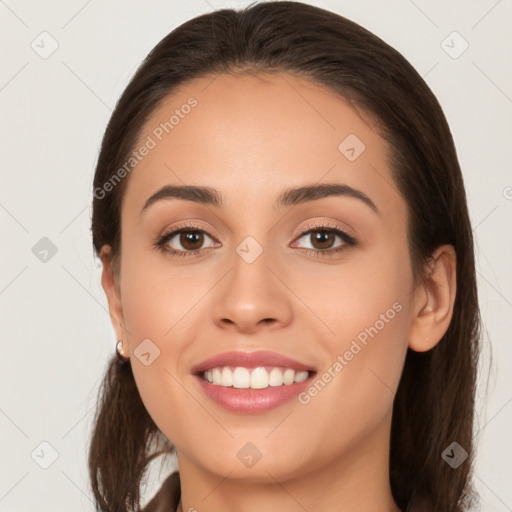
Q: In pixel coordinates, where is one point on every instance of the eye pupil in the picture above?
(187, 237)
(322, 237)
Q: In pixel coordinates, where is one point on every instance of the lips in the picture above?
(250, 360)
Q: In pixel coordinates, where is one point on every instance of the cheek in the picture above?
(158, 307)
(373, 332)
(158, 298)
(161, 307)
(365, 289)
(368, 309)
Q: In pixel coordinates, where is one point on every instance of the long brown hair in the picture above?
(434, 403)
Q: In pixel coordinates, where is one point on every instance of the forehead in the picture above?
(250, 136)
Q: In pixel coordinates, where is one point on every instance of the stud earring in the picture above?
(120, 354)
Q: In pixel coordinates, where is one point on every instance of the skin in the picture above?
(251, 137)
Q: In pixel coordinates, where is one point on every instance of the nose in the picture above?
(253, 297)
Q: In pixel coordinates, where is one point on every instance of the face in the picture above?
(323, 279)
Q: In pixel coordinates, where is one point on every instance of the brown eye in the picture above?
(322, 239)
(183, 241)
(191, 240)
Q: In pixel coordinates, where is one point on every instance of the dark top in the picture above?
(168, 496)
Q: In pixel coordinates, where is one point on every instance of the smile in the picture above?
(254, 378)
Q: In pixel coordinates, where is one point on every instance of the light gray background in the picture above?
(56, 332)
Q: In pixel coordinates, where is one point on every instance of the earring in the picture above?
(120, 355)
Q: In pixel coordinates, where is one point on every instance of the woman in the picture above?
(288, 261)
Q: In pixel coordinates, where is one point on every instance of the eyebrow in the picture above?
(291, 196)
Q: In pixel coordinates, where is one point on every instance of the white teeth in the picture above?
(241, 377)
(275, 377)
(301, 376)
(289, 376)
(258, 378)
(227, 377)
(217, 376)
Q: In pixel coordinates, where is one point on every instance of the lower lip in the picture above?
(252, 401)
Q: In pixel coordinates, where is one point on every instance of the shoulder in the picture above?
(167, 497)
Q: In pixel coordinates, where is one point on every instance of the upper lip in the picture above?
(249, 360)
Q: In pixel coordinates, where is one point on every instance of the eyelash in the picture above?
(348, 240)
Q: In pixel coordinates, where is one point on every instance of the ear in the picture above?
(434, 300)
(111, 286)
